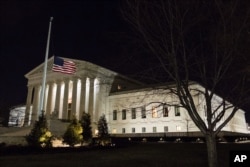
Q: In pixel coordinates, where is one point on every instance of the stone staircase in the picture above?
(57, 127)
(16, 135)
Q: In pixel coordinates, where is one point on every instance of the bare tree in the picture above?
(201, 41)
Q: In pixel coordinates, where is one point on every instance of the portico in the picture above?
(68, 96)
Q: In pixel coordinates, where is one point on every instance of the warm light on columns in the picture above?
(78, 97)
(46, 97)
(70, 91)
(96, 101)
(53, 100)
(87, 96)
(61, 100)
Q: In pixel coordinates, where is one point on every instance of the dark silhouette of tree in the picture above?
(73, 134)
(103, 133)
(40, 136)
(200, 41)
(87, 129)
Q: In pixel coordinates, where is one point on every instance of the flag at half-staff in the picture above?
(64, 66)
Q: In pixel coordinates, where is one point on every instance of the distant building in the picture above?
(132, 109)
(16, 116)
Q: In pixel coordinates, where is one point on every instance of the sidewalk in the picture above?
(14, 131)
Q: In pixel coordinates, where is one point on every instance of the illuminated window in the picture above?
(123, 130)
(114, 115)
(114, 130)
(96, 131)
(133, 113)
(143, 112)
(143, 129)
(123, 114)
(165, 111)
(133, 130)
(177, 111)
(154, 112)
(165, 128)
(178, 128)
(154, 129)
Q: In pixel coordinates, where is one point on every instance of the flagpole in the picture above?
(41, 104)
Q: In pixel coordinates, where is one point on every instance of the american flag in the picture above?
(63, 66)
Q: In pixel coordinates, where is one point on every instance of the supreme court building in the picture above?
(131, 108)
(70, 94)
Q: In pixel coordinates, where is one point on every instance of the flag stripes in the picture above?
(63, 66)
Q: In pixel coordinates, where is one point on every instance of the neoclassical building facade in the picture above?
(154, 111)
(131, 108)
(68, 95)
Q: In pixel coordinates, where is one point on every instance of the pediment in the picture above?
(39, 69)
(82, 66)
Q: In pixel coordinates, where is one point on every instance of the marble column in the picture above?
(35, 112)
(91, 97)
(58, 98)
(74, 99)
(102, 96)
(82, 97)
(45, 100)
(28, 106)
(96, 110)
(65, 100)
(49, 100)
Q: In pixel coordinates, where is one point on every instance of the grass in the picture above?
(133, 155)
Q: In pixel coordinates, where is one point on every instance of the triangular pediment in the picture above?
(80, 65)
(39, 69)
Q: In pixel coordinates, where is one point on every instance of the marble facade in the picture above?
(68, 96)
(97, 90)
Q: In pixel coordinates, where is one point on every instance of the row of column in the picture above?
(65, 99)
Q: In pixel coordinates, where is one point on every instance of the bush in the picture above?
(73, 134)
(40, 136)
(87, 130)
(103, 135)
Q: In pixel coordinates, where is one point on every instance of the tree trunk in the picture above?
(211, 150)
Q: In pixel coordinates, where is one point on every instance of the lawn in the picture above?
(134, 155)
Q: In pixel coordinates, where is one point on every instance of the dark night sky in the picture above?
(86, 30)
(91, 30)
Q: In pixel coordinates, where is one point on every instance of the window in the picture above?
(165, 111)
(177, 111)
(165, 128)
(154, 112)
(114, 130)
(133, 113)
(143, 129)
(123, 130)
(143, 112)
(114, 115)
(123, 114)
(69, 105)
(96, 131)
(154, 129)
(178, 128)
(133, 130)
